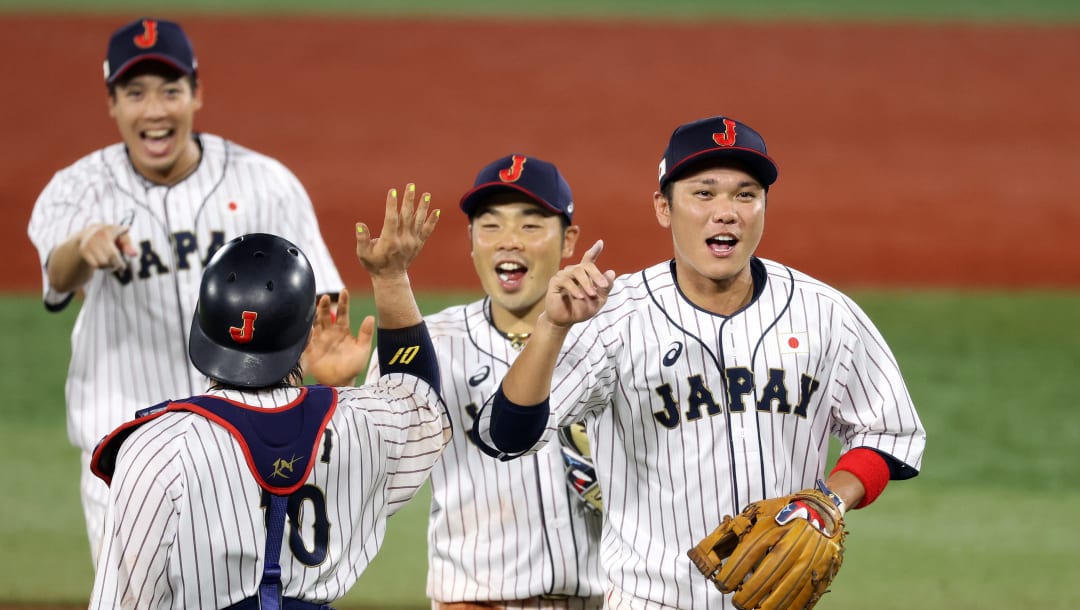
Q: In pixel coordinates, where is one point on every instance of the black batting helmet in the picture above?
(255, 311)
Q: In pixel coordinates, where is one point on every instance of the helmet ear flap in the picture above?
(255, 311)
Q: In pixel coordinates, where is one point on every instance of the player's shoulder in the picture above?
(94, 167)
(455, 320)
(801, 285)
(373, 396)
(216, 146)
(635, 290)
(632, 284)
(169, 429)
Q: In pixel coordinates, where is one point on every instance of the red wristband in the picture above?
(870, 468)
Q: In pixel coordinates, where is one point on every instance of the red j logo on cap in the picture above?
(512, 173)
(148, 38)
(728, 137)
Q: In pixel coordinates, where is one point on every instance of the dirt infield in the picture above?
(921, 156)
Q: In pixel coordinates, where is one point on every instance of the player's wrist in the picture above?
(545, 320)
(837, 501)
(391, 279)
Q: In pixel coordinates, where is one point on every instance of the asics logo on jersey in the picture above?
(771, 396)
(673, 353)
(245, 333)
(479, 378)
(512, 173)
(727, 137)
(184, 244)
(283, 468)
(148, 38)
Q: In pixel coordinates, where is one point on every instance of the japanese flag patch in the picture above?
(794, 343)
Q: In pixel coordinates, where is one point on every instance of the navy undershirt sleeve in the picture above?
(515, 428)
(409, 350)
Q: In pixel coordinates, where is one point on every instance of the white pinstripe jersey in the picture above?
(129, 343)
(499, 530)
(691, 415)
(186, 526)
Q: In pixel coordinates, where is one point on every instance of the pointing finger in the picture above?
(123, 243)
(594, 252)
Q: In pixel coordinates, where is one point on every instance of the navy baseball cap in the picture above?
(717, 137)
(536, 178)
(148, 39)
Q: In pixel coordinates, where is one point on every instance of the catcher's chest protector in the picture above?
(278, 444)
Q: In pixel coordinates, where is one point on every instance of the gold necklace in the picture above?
(517, 340)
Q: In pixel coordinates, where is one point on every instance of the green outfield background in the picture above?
(986, 525)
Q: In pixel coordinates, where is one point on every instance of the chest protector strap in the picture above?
(279, 444)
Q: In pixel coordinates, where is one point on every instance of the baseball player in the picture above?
(261, 493)
(707, 381)
(130, 228)
(506, 534)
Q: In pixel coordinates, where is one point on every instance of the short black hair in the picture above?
(158, 68)
(488, 203)
(294, 378)
(699, 165)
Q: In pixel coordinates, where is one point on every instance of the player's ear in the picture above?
(662, 207)
(570, 237)
(198, 101)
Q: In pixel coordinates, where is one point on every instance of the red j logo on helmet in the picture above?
(245, 334)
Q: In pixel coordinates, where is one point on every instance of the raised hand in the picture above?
(333, 355)
(577, 292)
(404, 232)
(104, 246)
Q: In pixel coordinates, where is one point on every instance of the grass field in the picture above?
(980, 528)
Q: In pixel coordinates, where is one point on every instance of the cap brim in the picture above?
(473, 198)
(242, 369)
(760, 166)
(131, 63)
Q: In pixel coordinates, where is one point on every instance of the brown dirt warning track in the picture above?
(923, 156)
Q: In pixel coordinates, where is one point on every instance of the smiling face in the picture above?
(154, 111)
(517, 246)
(716, 216)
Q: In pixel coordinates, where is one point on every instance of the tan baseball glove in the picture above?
(778, 553)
